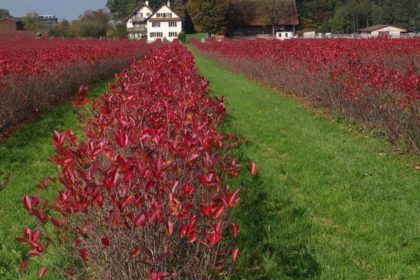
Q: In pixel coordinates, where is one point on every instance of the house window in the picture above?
(141, 15)
(156, 34)
(164, 15)
(173, 34)
(172, 24)
(155, 24)
(148, 14)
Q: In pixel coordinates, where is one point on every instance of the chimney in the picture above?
(169, 4)
(146, 3)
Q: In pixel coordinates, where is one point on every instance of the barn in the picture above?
(10, 24)
(383, 30)
(253, 20)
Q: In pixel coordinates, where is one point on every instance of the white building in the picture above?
(383, 30)
(162, 24)
(136, 21)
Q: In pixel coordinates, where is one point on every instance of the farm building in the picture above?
(49, 21)
(136, 21)
(383, 30)
(254, 20)
(162, 24)
(11, 24)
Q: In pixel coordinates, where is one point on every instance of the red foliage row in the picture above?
(374, 81)
(144, 196)
(36, 73)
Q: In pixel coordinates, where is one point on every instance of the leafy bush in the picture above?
(144, 195)
(50, 70)
(373, 81)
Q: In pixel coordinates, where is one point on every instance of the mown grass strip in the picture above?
(23, 164)
(328, 203)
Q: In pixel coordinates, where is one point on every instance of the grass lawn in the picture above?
(329, 203)
(197, 36)
(23, 164)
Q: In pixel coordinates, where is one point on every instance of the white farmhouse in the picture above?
(383, 30)
(162, 24)
(136, 21)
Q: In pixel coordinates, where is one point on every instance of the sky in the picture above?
(68, 9)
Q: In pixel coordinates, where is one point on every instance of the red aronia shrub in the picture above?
(373, 81)
(144, 195)
(38, 73)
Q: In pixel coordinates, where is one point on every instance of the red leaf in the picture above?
(27, 203)
(122, 139)
(253, 170)
(232, 199)
(83, 254)
(170, 228)
(33, 253)
(219, 212)
(234, 229)
(130, 200)
(192, 237)
(105, 241)
(135, 252)
(235, 254)
(42, 272)
(140, 220)
(23, 266)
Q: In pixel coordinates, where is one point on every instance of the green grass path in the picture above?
(328, 203)
(23, 164)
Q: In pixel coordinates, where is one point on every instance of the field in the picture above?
(36, 74)
(374, 82)
(241, 175)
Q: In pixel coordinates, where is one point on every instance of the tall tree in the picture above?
(32, 22)
(209, 16)
(4, 13)
(181, 9)
(274, 11)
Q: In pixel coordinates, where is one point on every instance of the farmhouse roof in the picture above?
(10, 18)
(136, 9)
(175, 18)
(377, 27)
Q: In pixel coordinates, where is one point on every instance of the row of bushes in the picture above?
(373, 81)
(144, 195)
(39, 76)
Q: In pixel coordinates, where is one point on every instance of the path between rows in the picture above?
(329, 203)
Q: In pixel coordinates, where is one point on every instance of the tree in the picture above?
(32, 22)
(120, 9)
(4, 13)
(180, 7)
(93, 24)
(60, 30)
(209, 16)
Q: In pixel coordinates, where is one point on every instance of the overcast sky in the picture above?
(69, 9)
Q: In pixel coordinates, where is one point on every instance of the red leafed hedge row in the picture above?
(144, 197)
(373, 81)
(37, 73)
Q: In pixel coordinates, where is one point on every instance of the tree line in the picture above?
(219, 16)
(352, 15)
(222, 16)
